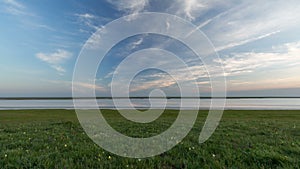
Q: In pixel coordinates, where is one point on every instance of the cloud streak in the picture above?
(248, 62)
(79, 85)
(87, 19)
(14, 7)
(131, 7)
(243, 42)
(55, 59)
(250, 21)
(14, 4)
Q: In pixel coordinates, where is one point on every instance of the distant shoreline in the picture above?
(70, 98)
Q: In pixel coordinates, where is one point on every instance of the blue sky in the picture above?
(258, 43)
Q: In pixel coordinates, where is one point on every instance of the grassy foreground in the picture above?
(244, 139)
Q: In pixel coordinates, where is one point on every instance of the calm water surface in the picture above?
(237, 104)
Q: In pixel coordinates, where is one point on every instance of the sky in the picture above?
(258, 43)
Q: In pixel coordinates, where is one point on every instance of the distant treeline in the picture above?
(70, 98)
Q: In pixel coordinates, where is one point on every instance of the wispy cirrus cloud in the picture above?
(55, 59)
(59, 69)
(161, 82)
(282, 58)
(136, 43)
(87, 19)
(251, 20)
(131, 7)
(26, 16)
(89, 23)
(237, 23)
(264, 84)
(193, 10)
(14, 7)
(247, 62)
(245, 41)
(79, 86)
(14, 3)
(155, 60)
(190, 75)
(187, 9)
(95, 40)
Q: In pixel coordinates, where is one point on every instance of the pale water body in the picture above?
(234, 104)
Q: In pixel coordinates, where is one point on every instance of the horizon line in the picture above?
(147, 97)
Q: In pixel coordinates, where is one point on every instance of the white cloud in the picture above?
(43, 26)
(79, 85)
(239, 43)
(241, 63)
(86, 16)
(89, 86)
(14, 7)
(26, 16)
(194, 9)
(269, 83)
(284, 58)
(158, 83)
(238, 22)
(252, 20)
(90, 23)
(14, 4)
(190, 7)
(129, 6)
(55, 59)
(14, 11)
(95, 40)
(156, 59)
(87, 20)
(136, 43)
(59, 69)
(162, 80)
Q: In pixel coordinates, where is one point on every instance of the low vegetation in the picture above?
(244, 139)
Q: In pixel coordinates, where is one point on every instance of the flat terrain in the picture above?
(244, 139)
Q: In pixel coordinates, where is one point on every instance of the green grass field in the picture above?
(244, 139)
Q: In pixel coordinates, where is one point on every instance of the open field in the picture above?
(244, 139)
